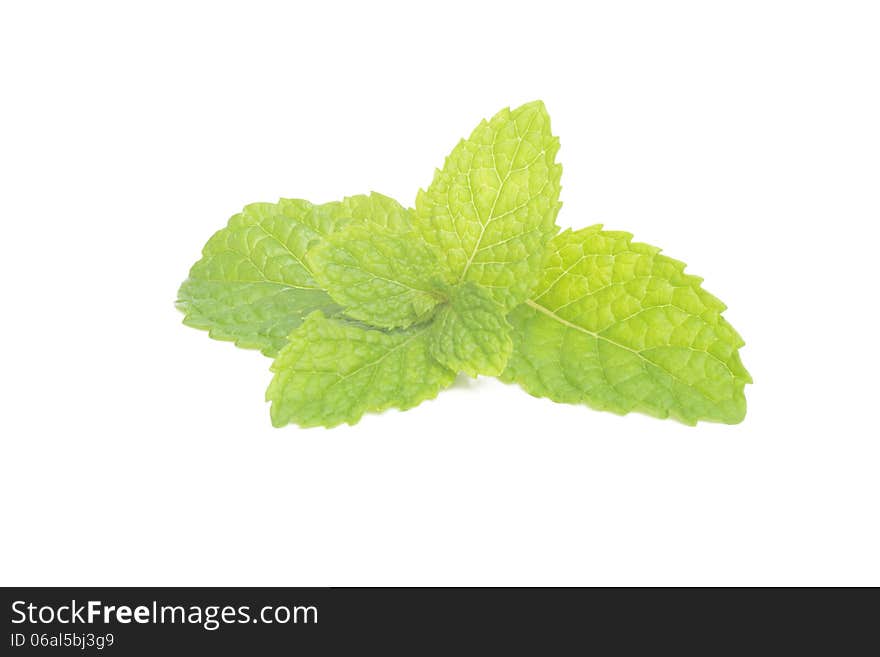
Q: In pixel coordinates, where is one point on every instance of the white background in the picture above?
(742, 137)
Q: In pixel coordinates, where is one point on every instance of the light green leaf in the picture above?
(333, 371)
(470, 333)
(252, 285)
(382, 276)
(617, 326)
(378, 209)
(492, 208)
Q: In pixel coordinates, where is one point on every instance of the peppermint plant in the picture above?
(366, 305)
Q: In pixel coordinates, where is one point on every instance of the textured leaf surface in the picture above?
(618, 326)
(492, 208)
(252, 285)
(378, 209)
(332, 372)
(379, 275)
(253, 315)
(470, 334)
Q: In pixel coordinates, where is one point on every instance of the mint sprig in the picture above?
(366, 305)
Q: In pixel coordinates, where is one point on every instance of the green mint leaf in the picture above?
(333, 371)
(378, 209)
(369, 305)
(380, 275)
(492, 208)
(470, 333)
(252, 285)
(616, 325)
